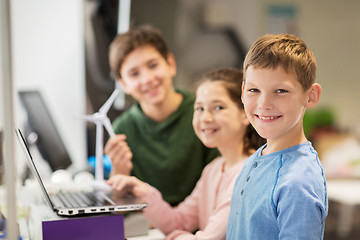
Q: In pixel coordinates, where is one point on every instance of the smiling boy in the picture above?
(154, 139)
(281, 191)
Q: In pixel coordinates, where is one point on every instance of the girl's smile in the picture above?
(217, 119)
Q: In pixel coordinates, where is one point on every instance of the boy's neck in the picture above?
(161, 112)
(275, 145)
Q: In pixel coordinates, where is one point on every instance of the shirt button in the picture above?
(242, 192)
(255, 164)
(248, 178)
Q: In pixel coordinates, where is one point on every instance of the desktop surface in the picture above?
(38, 212)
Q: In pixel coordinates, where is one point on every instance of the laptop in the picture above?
(81, 202)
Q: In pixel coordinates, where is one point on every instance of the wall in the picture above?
(48, 55)
(200, 42)
(331, 30)
(1, 82)
(48, 51)
(329, 27)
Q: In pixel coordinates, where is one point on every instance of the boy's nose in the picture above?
(265, 102)
(146, 76)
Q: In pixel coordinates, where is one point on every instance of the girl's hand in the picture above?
(128, 184)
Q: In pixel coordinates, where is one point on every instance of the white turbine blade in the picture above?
(90, 118)
(108, 127)
(105, 108)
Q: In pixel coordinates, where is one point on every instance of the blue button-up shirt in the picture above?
(281, 195)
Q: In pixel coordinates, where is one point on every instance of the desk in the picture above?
(33, 225)
(154, 234)
(38, 211)
(347, 193)
(344, 191)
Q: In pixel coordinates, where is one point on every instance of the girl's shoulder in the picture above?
(214, 165)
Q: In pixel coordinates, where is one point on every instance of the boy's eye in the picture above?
(134, 74)
(253, 90)
(219, 107)
(281, 91)
(153, 65)
(199, 109)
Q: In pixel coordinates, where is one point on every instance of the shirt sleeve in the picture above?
(215, 229)
(167, 218)
(179, 222)
(300, 210)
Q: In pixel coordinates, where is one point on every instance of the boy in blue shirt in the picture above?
(281, 191)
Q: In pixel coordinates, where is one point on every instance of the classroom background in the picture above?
(59, 47)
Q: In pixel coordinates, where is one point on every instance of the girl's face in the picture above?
(217, 120)
(147, 76)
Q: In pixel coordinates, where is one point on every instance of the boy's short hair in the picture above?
(287, 51)
(124, 44)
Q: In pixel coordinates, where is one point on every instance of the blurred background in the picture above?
(60, 47)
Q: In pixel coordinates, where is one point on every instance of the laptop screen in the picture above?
(32, 165)
(49, 142)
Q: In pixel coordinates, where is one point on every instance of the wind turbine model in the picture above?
(101, 120)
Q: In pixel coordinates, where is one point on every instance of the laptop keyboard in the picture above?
(79, 199)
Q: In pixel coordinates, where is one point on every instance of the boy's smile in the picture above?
(264, 118)
(275, 103)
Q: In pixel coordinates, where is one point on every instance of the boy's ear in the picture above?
(313, 95)
(245, 120)
(242, 91)
(172, 64)
(122, 84)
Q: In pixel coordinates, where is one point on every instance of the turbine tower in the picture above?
(101, 120)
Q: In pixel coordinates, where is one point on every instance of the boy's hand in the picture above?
(120, 154)
(128, 184)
